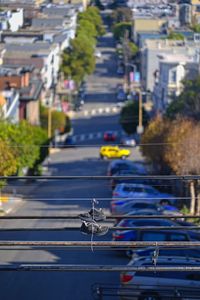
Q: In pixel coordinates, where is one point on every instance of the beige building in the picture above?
(147, 25)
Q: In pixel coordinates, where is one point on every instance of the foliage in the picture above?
(59, 120)
(8, 164)
(92, 15)
(121, 14)
(129, 117)
(133, 48)
(184, 156)
(188, 103)
(121, 28)
(153, 141)
(24, 140)
(175, 36)
(78, 60)
(174, 153)
(196, 28)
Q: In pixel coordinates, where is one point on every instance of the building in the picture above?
(43, 55)
(150, 60)
(173, 68)
(11, 20)
(185, 14)
(147, 25)
(9, 105)
(22, 93)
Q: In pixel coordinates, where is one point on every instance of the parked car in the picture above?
(120, 70)
(134, 205)
(128, 141)
(97, 54)
(127, 235)
(69, 142)
(182, 252)
(121, 95)
(109, 136)
(156, 285)
(139, 191)
(124, 176)
(114, 152)
(121, 165)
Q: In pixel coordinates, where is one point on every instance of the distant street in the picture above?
(68, 198)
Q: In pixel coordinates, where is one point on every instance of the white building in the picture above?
(168, 82)
(12, 20)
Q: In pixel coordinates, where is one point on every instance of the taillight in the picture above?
(119, 237)
(126, 278)
(115, 194)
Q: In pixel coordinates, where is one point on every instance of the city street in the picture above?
(68, 197)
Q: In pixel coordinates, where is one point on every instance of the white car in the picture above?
(128, 141)
(156, 285)
(140, 191)
(134, 205)
(97, 54)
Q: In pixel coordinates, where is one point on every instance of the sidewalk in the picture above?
(16, 190)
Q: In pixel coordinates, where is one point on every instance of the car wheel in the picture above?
(101, 156)
(123, 157)
(149, 296)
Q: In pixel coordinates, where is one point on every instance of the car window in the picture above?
(193, 276)
(153, 236)
(178, 237)
(132, 189)
(143, 205)
(150, 191)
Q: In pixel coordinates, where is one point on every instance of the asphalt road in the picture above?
(67, 197)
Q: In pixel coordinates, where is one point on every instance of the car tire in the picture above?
(123, 157)
(101, 156)
(149, 296)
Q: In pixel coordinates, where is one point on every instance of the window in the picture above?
(153, 236)
(173, 76)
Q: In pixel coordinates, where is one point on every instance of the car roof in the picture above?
(136, 185)
(165, 259)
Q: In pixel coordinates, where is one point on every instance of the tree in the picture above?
(121, 14)
(92, 14)
(188, 103)
(87, 28)
(133, 48)
(129, 117)
(8, 163)
(175, 36)
(196, 28)
(153, 142)
(59, 120)
(120, 29)
(173, 153)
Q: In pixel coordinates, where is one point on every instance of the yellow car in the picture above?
(114, 152)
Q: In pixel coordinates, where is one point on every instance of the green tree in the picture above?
(175, 36)
(59, 121)
(121, 28)
(92, 14)
(129, 117)
(196, 28)
(8, 163)
(121, 14)
(188, 103)
(133, 48)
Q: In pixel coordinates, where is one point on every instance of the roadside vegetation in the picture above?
(171, 142)
(78, 60)
(22, 146)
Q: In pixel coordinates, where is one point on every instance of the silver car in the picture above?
(156, 285)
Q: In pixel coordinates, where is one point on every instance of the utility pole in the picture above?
(140, 128)
(49, 120)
